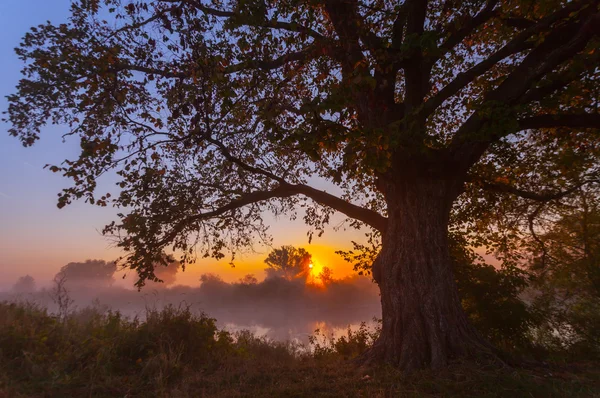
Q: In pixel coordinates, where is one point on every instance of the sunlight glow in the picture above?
(315, 269)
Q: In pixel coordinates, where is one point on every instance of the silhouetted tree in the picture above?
(95, 271)
(167, 274)
(214, 279)
(326, 276)
(288, 262)
(25, 284)
(249, 279)
(214, 286)
(419, 112)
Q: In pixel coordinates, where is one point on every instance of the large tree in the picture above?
(214, 112)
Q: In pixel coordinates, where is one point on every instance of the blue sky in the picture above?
(35, 236)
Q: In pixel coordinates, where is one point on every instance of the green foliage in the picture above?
(566, 266)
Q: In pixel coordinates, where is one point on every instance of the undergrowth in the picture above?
(174, 352)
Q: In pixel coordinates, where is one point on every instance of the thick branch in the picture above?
(542, 196)
(283, 191)
(562, 45)
(343, 15)
(469, 27)
(584, 120)
(518, 44)
(559, 80)
(367, 216)
(273, 63)
(398, 27)
(244, 200)
(559, 47)
(518, 22)
(417, 74)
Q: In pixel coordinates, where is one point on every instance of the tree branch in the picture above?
(542, 196)
(559, 80)
(417, 74)
(244, 200)
(268, 64)
(283, 191)
(367, 216)
(561, 45)
(458, 36)
(343, 15)
(518, 44)
(273, 63)
(281, 25)
(398, 28)
(584, 120)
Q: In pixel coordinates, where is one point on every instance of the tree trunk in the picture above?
(424, 325)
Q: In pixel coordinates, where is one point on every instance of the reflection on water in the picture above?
(299, 333)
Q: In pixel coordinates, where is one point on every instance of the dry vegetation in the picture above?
(176, 353)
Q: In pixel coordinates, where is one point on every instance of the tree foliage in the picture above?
(288, 262)
(25, 284)
(95, 271)
(325, 276)
(167, 274)
(214, 112)
(566, 266)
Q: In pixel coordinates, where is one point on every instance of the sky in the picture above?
(37, 238)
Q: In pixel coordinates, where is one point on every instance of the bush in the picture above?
(95, 351)
(348, 346)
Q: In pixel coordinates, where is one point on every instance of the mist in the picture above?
(277, 307)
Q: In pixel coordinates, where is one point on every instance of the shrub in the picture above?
(96, 350)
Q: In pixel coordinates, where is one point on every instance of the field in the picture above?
(176, 353)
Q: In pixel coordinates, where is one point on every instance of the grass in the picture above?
(175, 353)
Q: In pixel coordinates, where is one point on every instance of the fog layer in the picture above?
(280, 308)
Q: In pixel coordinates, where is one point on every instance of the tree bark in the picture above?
(424, 325)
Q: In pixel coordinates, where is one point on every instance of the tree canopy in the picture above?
(25, 284)
(288, 263)
(213, 112)
(89, 271)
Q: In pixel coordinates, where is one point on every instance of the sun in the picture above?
(315, 268)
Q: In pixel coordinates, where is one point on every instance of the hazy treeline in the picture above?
(279, 306)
